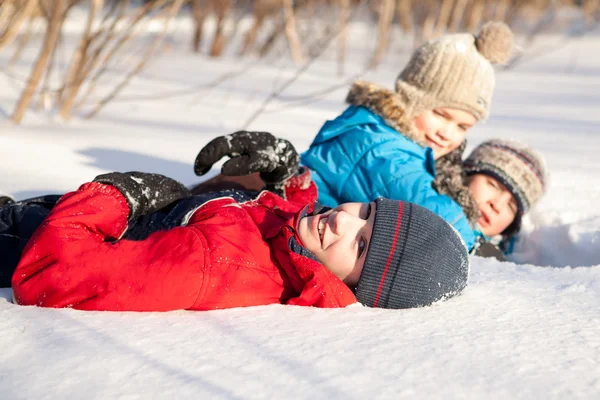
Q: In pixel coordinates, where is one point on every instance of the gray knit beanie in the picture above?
(516, 165)
(456, 71)
(415, 258)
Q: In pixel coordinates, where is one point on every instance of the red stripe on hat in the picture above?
(532, 164)
(389, 260)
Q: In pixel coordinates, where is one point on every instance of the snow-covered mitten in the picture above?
(276, 159)
(145, 192)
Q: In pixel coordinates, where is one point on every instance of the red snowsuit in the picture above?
(226, 255)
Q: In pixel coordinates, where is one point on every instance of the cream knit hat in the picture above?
(456, 71)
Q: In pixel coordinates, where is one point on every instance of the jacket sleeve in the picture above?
(416, 187)
(320, 287)
(18, 222)
(323, 292)
(300, 188)
(73, 260)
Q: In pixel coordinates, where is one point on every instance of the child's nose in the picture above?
(445, 132)
(343, 221)
(495, 205)
(502, 199)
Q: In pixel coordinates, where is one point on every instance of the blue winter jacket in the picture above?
(357, 158)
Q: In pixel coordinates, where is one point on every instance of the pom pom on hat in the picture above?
(455, 71)
(495, 42)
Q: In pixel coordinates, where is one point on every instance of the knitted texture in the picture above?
(516, 165)
(414, 259)
(455, 71)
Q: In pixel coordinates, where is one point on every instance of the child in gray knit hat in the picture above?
(228, 248)
(401, 255)
(216, 252)
(407, 144)
(507, 178)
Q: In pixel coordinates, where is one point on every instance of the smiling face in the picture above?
(444, 128)
(496, 203)
(340, 238)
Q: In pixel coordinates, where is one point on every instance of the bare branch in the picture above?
(157, 42)
(52, 34)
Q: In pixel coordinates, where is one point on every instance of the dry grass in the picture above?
(112, 24)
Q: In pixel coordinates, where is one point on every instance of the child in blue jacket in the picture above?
(386, 143)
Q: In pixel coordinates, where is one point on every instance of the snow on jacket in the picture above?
(358, 157)
(226, 254)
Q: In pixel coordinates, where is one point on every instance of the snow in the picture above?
(527, 330)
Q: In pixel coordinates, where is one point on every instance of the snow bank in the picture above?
(519, 331)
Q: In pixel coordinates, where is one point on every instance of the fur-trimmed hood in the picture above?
(450, 177)
(388, 105)
(451, 180)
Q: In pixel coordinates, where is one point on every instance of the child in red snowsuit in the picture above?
(226, 253)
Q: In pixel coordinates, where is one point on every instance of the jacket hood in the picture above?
(300, 265)
(451, 180)
(388, 105)
(383, 106)
(284, 221)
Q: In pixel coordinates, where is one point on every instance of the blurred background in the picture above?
(56, 52)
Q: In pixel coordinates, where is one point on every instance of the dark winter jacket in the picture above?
(224, 254)
(361, 155)
(18, 221)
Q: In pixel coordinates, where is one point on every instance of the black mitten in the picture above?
(5, 200)
(275, 159)
(488, 250)
(145, 192)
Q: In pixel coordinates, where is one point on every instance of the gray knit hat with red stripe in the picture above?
(513, 163)
(415, 258)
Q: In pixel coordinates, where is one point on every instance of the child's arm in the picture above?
(70, 262)
(275, 159)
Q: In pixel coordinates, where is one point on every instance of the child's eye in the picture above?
(492, 183)
(362, 245)
(436, 112)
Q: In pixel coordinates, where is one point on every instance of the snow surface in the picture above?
(519, 330)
